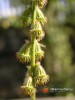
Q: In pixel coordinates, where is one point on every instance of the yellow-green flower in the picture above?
(42, 3)
(40, 75)
(23, 55)
(37, 31)
(40, 16)
(26, 18)
(39, 53)
(27, 87)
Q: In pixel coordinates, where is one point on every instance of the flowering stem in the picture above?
(33, 48)
(31, 51)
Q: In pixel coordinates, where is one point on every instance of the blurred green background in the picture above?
(59, 60)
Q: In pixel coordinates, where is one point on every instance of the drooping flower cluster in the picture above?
(24, 55)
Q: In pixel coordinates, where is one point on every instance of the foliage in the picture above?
(59, 53)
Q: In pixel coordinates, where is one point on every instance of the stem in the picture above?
(33, 52)
(33, 39)
(33, 97)
(33, 35)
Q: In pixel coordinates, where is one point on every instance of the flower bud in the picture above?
(42, 3)
(40, 17)
(26, 18)
(26, 21)
(27, 87)
(39, 53)
(40, 75)
(23, 55)
(37, 31)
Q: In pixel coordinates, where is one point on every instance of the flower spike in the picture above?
(31, 52)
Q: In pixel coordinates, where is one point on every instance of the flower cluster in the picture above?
(24, 55)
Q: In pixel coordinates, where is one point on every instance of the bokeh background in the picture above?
(59, 60)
